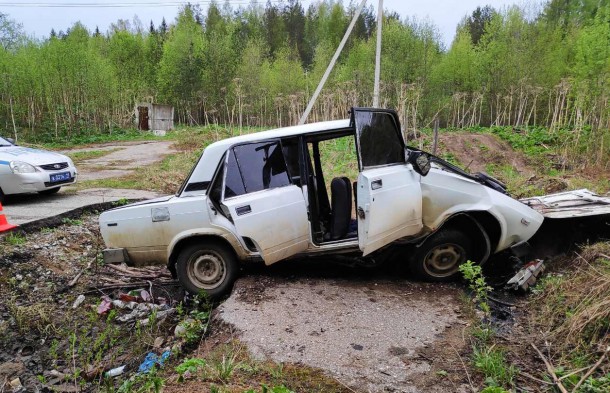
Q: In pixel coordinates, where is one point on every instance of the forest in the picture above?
(258, 66)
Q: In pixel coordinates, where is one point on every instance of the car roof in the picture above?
(280, 133)
(205, 168)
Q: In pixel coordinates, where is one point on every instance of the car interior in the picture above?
(331, 201)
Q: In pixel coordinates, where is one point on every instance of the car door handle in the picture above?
(243, 210)
(361, 214)
(376, 184)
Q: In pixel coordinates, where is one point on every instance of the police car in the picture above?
(25, 170)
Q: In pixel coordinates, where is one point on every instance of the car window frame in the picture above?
(394, 116)
(226, 159)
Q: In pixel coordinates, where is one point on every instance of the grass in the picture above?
(96, 342)
(120, 182)
(568, 311)
(72, 221)
(518, 186)
(31, 317)
(226, 366)
(575, 306)
(15, 239)
(339, 158)
(165, 177)
(85, 138)
(491, 362)
(229, 368)
(487, 358)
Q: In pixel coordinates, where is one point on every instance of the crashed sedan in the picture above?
(264, 196)
(25, 170)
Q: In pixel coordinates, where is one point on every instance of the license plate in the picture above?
(60, 177)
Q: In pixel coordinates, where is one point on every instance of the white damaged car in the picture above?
(265, 196)
(25, 170)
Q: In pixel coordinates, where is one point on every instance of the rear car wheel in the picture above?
(207, 267)
(439, 258)
(50, 191)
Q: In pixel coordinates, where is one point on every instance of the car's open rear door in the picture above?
(389, 193)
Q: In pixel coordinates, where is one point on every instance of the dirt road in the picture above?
(124, 158)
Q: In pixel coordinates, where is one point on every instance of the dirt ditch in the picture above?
(477, 151)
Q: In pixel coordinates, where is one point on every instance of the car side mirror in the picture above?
(11, 140)
(420, 162)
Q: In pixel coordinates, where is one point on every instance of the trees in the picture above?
(294, 21)
(179, 77)
(11, 33)
(259, 64)
(477, 22)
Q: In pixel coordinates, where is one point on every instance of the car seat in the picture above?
(341, 207)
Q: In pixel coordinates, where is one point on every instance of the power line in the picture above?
(122, 4)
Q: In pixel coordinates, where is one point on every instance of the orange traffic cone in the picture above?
(4, 225)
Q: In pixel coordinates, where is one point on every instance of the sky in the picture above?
(38, 17)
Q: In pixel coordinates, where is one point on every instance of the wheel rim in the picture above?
(206, 269)
(444, 260)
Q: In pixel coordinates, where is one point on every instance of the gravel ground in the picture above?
(369, 335)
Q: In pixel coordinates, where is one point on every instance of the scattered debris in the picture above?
(104, 306)
(527, 276)
(158, 342)
(16, 385)
(180, 330)
(115, 372)
(79, 300)
(152, 360)
(160, 316)
(140, 310)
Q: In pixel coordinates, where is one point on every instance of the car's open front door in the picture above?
(264, 206)
(389, 193)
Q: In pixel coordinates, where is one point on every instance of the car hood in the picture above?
(31, 156)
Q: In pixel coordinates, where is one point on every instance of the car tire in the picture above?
(2, 196)
(208, 267)
(50, 191)
(439, 257)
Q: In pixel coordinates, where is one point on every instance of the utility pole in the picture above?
(313, 99)
(378, 55)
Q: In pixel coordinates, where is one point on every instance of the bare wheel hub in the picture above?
(206, 270)
(444, 260)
